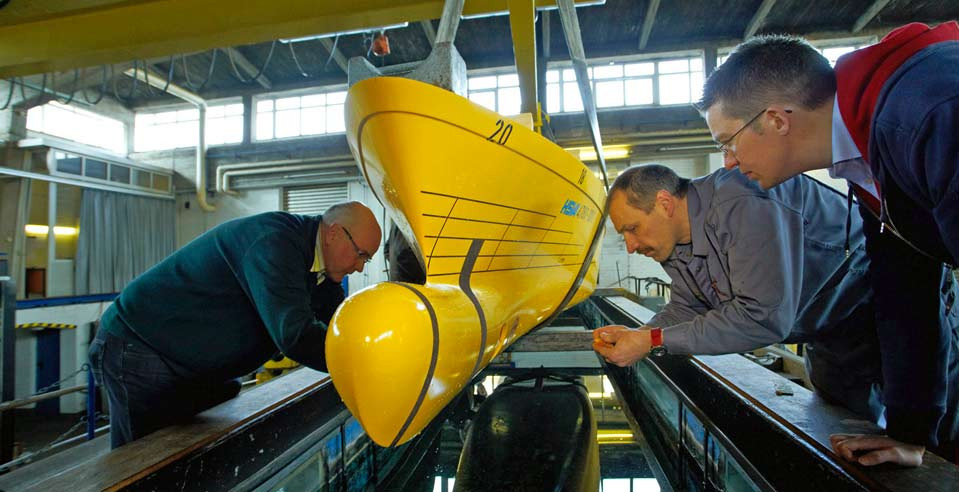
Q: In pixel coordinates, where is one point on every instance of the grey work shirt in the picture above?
(762, 267)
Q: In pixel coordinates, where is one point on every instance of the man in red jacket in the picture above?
(885, 119)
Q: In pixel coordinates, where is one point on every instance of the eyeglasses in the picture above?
(727, 147)
(363, 255)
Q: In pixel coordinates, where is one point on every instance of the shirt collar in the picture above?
(843, 147)
(697, 220)
(318, 266)
(847, 161)
(697, 229)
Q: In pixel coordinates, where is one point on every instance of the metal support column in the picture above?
(91, 405)
(522, 21)
(577, 55)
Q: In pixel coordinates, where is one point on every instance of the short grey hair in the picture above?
(642, 182)
(343, 213)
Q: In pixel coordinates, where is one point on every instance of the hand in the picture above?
(620, 345)
(876, 449)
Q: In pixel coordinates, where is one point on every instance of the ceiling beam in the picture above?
(547, 41)
(244, 64)
(429, 31)
(648, 22)
(76, 34)
(869, 14)
(759, 19)
(336, 53)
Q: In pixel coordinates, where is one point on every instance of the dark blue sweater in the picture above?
(235, 296)
(914, 154)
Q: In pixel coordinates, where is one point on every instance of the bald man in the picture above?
(176, 339)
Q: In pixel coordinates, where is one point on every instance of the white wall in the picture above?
(193, 221)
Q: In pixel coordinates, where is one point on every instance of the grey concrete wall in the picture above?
(191, 220)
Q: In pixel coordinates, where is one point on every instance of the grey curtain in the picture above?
(121, 236)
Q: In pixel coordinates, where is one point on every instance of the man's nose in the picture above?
(730, 161)
(631, 245)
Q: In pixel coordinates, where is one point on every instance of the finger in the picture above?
(838, 438)
(868, 443)
(611, 336)
(843, 451)
(879, 456)
(609, 329)
(905, 455)
(603, 350)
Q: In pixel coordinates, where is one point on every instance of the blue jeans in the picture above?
(147, 392)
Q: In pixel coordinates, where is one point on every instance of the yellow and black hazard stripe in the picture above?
(40, 326)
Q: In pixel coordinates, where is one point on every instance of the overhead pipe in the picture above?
(149, 76)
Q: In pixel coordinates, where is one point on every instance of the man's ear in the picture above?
(779, 119)
(330, 231)
(667, 201)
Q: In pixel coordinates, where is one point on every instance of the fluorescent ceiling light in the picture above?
(609, 152)
(41, 230)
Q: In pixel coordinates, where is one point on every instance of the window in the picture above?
(680, 81)
(298, 116)
(831, 50)
(69, 165)
(833, 53)
(630, 83)
(224, 124)
(499, 93)
(175, 129)
(166, 130)
(615, 84)
(73, 123)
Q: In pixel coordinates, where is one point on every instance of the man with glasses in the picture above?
(884, 119)
(750, 268)
(178, 336)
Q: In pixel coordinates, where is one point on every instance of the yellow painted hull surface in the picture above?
(503, 221)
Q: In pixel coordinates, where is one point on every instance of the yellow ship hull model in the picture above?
(507, 227)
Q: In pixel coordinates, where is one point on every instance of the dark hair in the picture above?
(641, 183)
(768, 69)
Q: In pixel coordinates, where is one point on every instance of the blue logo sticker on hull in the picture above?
(570, 208)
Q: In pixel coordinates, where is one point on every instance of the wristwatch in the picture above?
(656, 342)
